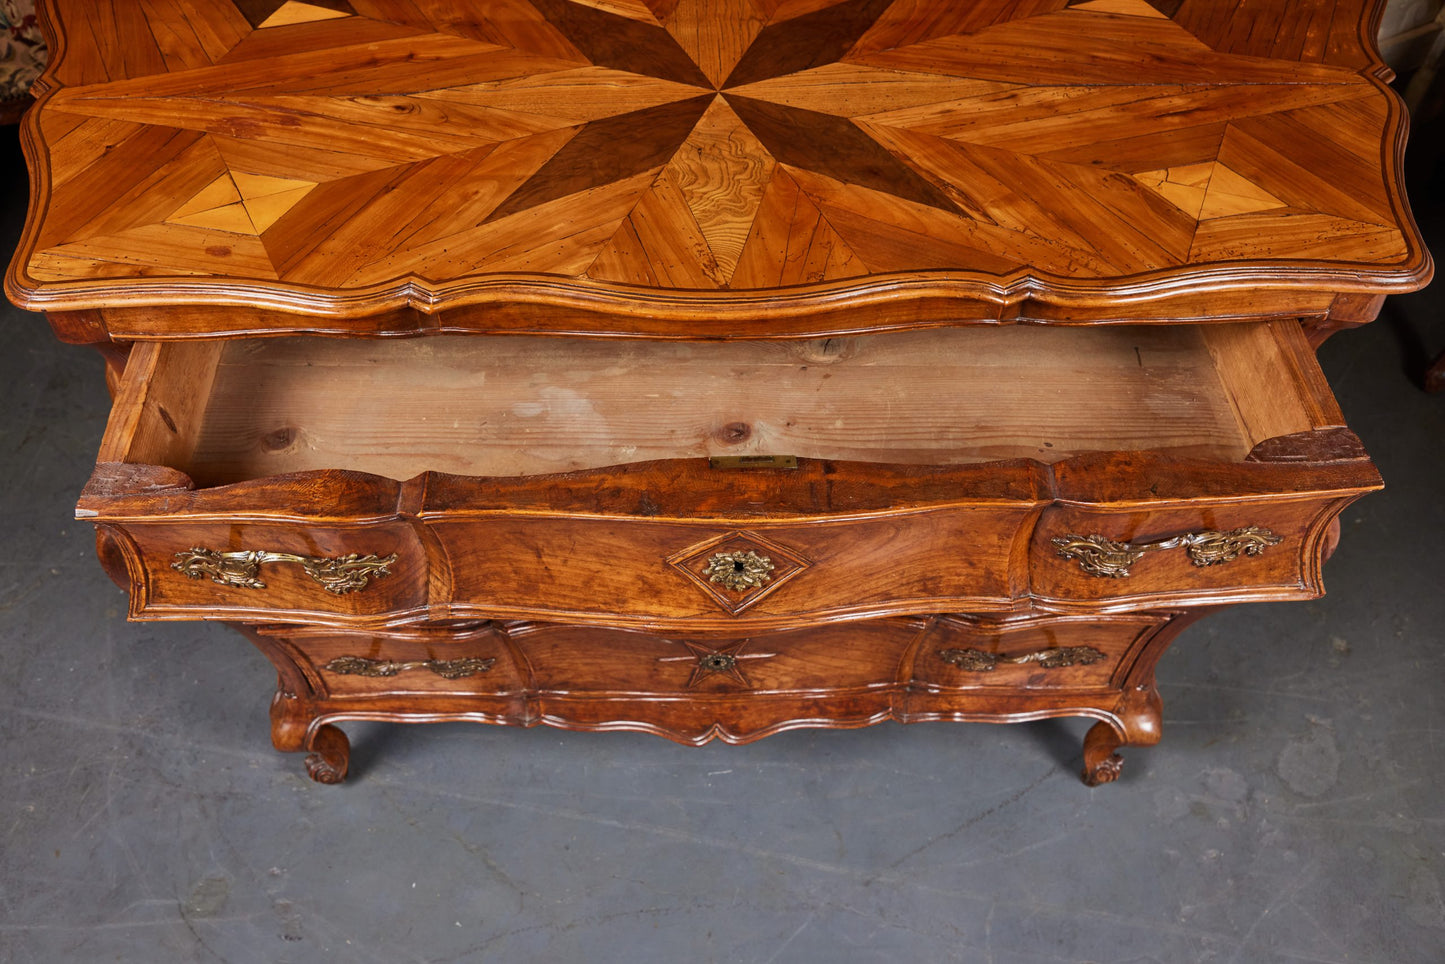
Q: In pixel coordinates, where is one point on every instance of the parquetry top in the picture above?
(697, 160)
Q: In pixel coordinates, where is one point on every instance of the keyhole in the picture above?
(738, 566)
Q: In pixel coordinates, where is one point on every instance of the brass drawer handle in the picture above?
(978, 661)
(340, 575)
(1099, 556)
(445, 668)
(739, 571)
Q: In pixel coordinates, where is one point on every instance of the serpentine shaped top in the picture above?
(689, 162)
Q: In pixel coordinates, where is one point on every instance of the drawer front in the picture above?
(672, 546)
(1114, 534)
(1212, 551)
(569, 660)
(709, 577)
(1031, 653)
(256, 571)
(698, 687)
(623, 572)
(451, 661)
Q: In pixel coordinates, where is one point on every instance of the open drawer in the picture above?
(721, 486)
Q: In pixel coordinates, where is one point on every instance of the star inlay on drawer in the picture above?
(724, 659)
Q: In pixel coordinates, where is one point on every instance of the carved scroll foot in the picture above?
(330, 755)
(1140, 715)
(329, 751)
(1101, 763)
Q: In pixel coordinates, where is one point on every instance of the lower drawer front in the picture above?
(440, 661)
(696, 688)
(1034, 653)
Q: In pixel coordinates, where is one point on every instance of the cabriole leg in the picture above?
(330, 755)
(329, 751)
(1101, 763)
(1139, 716)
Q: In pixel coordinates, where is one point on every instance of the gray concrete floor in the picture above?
(1293, 812)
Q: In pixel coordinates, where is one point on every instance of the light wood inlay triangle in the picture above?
(219, 206)
(1184, 187)
(266, 211)
(632, 9)
(254, 186)
(233, 218)
(1231, 193)
(297, 12)
(1127, 8)
(219, 193)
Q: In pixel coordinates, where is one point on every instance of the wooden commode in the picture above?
(715, 367)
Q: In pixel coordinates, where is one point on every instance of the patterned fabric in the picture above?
(22, 49)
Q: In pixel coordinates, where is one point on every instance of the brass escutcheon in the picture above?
(718, 662)
(739, 571)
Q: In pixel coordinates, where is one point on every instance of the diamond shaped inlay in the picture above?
(737, 569)
(1209, 190)
(241, 203)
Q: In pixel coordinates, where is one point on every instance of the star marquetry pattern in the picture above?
(704, 144)
(724, 661)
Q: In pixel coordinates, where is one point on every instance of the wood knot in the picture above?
(825, 351)
(279, 440)
(735, 432)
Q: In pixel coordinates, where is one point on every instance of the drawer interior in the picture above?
(226, 411)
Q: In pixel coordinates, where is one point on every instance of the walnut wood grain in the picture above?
(595, 546)
(1092, 243)
(1008, 158)
(847, 676)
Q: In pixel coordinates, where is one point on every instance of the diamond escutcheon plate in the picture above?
(738, 569)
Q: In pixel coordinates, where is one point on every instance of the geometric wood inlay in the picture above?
(707, 145)
(1209, 190)
(241, 203)
(294, 11)
(268, 13)
(1128, 8)
(724, 660)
